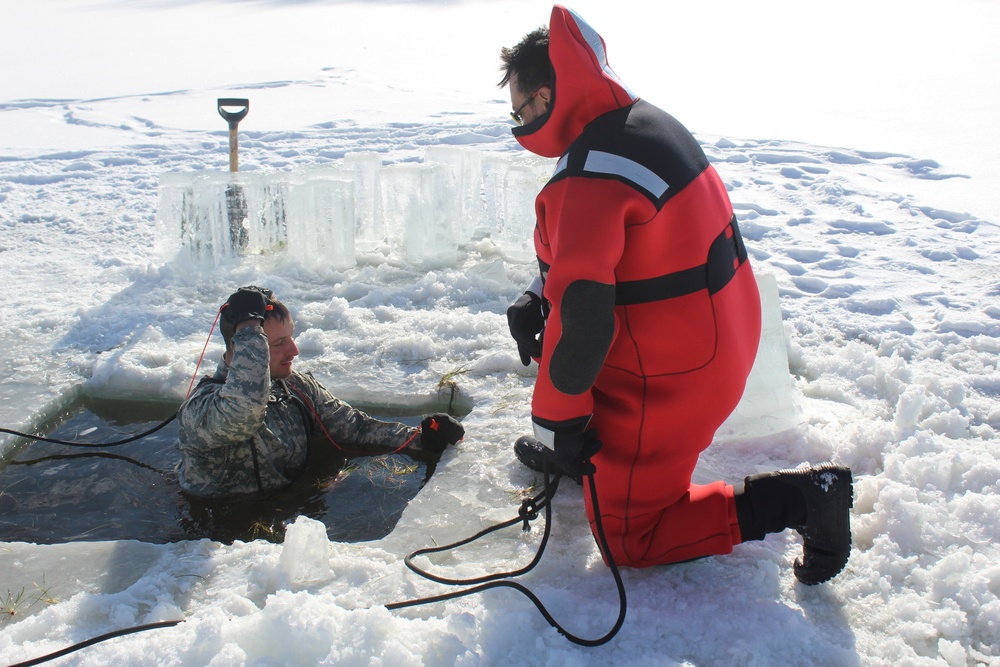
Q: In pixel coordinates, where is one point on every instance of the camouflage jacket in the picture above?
(242, 433)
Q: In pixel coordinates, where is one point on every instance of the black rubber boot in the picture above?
(531, 453)
(816, 502)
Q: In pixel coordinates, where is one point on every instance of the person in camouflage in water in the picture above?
(246, 430)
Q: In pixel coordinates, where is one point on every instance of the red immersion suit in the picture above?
(653, 311)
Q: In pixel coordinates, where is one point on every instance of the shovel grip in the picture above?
(233, 117)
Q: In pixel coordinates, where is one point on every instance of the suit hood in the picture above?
(584, 86)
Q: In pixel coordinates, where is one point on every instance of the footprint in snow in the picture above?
(872, 306)
(810, 284)
(866, 227)
(807, 255)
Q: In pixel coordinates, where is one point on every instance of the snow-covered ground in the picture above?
(857, 140)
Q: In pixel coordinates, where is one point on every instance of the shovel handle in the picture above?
(233, 118)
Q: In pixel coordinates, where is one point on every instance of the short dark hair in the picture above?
(278, 311)
(530, 60)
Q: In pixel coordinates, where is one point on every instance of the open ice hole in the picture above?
(51, 493)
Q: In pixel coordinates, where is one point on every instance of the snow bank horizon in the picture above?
(888, 78)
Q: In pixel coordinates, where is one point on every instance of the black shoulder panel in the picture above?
(640, 145)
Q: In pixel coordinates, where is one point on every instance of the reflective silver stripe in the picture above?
(597, 46)
(545, 436)
(560, 165)
(536, 286)
(599, 162)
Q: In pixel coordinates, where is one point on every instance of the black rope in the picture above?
(85, 455)
(96, 640)
(70, 443)
(528, 511)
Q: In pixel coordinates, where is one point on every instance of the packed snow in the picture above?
(858, 143)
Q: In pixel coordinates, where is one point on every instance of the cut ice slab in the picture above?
(419, 213)
(768, 405)
(222, 215)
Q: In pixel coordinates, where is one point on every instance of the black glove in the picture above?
(525, 321)
(246, 303)
(438, 431)
(572, 446)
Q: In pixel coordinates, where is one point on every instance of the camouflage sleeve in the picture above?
(234, 411)
(353, 431)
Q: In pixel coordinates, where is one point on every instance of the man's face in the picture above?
(280, 346)
(531, 104)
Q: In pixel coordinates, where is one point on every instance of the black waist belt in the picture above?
(725, 255)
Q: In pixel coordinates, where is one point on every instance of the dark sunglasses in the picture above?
(516, 114)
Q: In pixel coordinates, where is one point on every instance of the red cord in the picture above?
(305, 400)
(200, 358)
